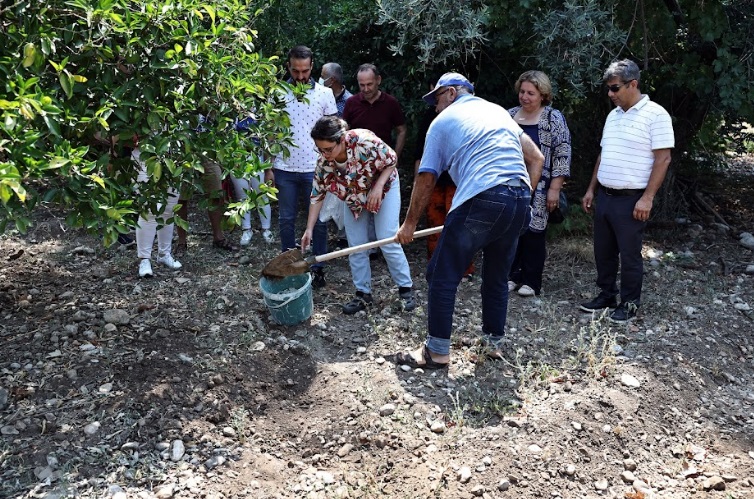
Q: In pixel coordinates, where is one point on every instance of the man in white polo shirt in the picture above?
(294, 174)
(636, 143)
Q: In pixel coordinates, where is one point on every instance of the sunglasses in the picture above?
(616, 88)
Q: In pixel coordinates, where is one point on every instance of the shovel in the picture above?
(292, 262)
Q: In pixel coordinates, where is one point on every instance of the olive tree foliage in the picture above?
(696, 56)
(438, 31)
(84, 80)
(575, 40)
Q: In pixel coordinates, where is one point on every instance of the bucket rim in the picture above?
(285, 298)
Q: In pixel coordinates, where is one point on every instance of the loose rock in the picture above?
(629, 381)
(714, 483)
(464, 474)
(117, 317)
(387, 409)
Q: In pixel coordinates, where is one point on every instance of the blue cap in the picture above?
(447, 80)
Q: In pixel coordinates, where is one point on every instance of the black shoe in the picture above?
(600, 303)
(624, 313)
(342, 243)
(373, 257)
(126, 240)
(318, 278)
(409, 300)
(360, 302)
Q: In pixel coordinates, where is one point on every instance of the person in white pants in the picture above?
(241, 186)
(147, 229)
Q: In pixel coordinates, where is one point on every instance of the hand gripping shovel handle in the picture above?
(367, 246)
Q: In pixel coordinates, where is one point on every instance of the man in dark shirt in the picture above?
(376, 110)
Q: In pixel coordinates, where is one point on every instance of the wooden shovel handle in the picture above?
(367, 246)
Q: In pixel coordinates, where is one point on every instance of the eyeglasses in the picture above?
(617, 87)
(438, 94)
(325, 150)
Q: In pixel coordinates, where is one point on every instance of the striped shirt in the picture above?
(629, 140)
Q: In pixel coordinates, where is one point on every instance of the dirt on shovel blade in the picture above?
(291, 262)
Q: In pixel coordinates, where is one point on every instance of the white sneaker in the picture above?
(511, 286)
(268, 237)
(525, 291)
(246, 237)
(170, 262)
(145, 268)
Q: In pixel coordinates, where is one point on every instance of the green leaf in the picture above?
(66, 83)
(29, 52)
(5, 193)
(19, 190)
(98, 180)
(52, 125)
(57, 163)
(211, 11)
(22, 224)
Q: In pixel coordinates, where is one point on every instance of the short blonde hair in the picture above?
(539, 80)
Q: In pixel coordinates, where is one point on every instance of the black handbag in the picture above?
(558, 215)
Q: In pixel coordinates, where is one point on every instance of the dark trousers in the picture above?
(617, 242)
(491, 222)
(529, 263)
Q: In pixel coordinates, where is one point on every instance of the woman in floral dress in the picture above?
(359, 168)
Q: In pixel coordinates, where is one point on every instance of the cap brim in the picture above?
(430, 97)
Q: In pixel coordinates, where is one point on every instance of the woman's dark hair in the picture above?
(329, 128)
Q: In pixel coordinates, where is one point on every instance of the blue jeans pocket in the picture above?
(483, 215)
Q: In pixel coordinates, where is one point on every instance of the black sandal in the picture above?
(407, 359)
(224, 244)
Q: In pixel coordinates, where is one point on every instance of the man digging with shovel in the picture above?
(494, 164)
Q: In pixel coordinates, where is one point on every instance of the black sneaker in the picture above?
(600, 303)
(360, 302)
(624, 313)
(318, 278)
(409, 300)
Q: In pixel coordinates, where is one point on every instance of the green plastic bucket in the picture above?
(289, 299)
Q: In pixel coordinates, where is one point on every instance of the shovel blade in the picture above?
(288, 263)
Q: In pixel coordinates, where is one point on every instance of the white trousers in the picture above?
(241, 185)
(147, 228)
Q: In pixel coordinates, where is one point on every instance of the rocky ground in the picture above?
(181, 385)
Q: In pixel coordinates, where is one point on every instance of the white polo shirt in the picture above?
(629, 140)
(303, 116)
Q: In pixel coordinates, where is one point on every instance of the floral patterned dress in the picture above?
(366, 157)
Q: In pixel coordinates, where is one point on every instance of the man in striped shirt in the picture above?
(634, 158)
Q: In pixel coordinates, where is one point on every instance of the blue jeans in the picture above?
(294, 191)
(491, 221)
(385, 223)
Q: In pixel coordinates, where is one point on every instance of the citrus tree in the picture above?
(84, 81)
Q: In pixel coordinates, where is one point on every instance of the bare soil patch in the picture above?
(196, 393)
